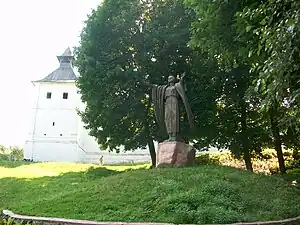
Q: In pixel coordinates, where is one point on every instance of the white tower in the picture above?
(56, 131)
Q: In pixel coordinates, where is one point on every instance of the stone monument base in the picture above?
(174, 154)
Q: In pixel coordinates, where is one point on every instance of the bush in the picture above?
(207, 159)
(16, 153)
(264, 162)
(4, 157)
(12, 153)
(10, 221)
(294, 171)
(268, 154)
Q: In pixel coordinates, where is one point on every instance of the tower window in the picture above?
(53, 124)
(49, 95)
(65, 95)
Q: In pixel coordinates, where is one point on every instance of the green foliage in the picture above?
(10, 221)
(264, 162)
(12, 153)
(16, 153)
(239, 125)
(243, 95)
(207, 159)
(256, 45)
(198, 195)
(270, 31)
(4, 157)
(273, 31)
(293, 160)
(123, 44)
(294, 171)
(267, 154)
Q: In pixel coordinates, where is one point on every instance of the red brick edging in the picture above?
(51, 220)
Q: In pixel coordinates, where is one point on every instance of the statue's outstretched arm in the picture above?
(143, 83)
(148, 84)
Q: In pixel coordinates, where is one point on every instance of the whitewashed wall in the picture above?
(91, 153)
(57, 133)
(53, 133)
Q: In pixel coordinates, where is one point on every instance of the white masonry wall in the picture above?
(89, 149)
(53, 133)
(57, 133)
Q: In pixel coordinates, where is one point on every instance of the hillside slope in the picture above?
(204, 194)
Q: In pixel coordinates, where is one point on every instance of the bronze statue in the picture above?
(166, 106)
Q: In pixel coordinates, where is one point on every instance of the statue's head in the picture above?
(171, 80)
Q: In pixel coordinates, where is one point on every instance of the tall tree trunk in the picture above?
(247, 159)
(149, 138)
(277, 140)
(150, 145)
(152, 153)
(245, 143)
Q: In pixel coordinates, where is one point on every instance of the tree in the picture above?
(214, 33)
(123, 44)
(271, 30)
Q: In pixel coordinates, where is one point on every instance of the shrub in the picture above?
(268, 154)
(10, 221)
(265, 162)
(4, 157)
(208, 159)
(294, 171)
(12, 153)
(16, 153)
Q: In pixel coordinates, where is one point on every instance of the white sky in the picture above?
(32, 33)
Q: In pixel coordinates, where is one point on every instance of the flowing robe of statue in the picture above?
(166, 106)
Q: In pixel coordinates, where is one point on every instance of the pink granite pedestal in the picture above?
(174, 154)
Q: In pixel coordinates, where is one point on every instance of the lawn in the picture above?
(202, 194)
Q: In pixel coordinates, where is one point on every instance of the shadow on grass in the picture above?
(98, 172)
(90, 173)
(14, 164)
(212, 193)
(104, 172)
(292, 178)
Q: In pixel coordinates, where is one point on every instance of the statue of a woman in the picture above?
(166, 105)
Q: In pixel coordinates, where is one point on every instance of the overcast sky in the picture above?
(32, 33)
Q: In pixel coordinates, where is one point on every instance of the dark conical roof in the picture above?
(64, 72)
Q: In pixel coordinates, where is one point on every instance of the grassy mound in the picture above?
(204, 194)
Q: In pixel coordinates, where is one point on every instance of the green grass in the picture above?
(204, 194)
